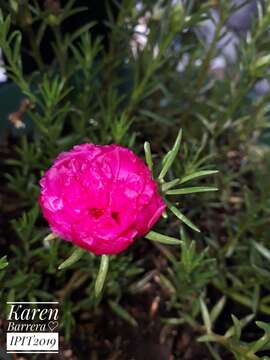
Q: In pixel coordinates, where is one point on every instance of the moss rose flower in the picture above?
(100, 198)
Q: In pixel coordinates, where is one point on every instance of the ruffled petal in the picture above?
(101, 198)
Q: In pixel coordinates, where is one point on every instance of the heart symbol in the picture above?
(52, 325)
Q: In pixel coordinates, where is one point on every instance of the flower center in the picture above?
(96, 213)
(115, 216)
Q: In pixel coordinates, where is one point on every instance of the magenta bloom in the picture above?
(101, 198)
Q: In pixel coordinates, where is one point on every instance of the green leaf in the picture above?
(172, 321)
(167, 284)
(122, 313)
(215, 312)
(171, 155)
(256, 298)
(50, 237)
(168, 185)
(3, 262)
(264, 326)
(209, 338)
(264, 342)
(205, 316)
(197, 174)
(74, 257)
(262, 250)
(148, 155)
(191, 190)
(164, 239)
(238, 325)
(139, 285)
(213, 352)
(181, 216)
(102, 274)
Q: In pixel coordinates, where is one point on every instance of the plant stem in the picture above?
(102, 274)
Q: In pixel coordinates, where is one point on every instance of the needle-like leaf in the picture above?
(197, 174)
(148, 155)
(191, 190)
(171, 155)
(164, 239)
(74, 257)
(3, 262)
(168, 185)
(181, 216)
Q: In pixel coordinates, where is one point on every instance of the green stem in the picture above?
(102, 274)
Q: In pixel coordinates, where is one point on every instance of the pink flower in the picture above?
(100, 198)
